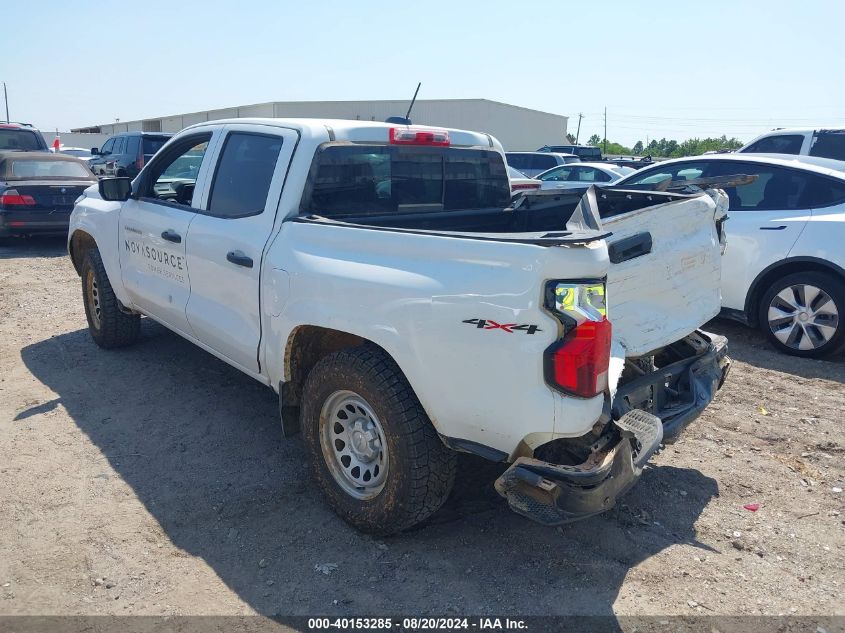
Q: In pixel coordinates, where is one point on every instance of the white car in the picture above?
(784, 266)
(823, 143)
(582, 175)
(533, 163)
(521, 182)
(78, 152)
(383, 282)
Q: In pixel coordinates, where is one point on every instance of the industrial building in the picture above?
(517, 128)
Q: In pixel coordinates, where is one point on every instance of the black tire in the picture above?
(834, 287)
(421, 468)
(108, 324)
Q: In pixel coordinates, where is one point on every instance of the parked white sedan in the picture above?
(582, 175)
(784, 267)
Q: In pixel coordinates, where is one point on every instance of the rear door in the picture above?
(766, 219)
(226, 240)
(154, 225)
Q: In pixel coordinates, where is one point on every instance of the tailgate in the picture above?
(665, 273)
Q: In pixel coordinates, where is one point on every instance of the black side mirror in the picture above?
(95, 151)
(115, 189)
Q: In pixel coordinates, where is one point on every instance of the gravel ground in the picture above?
(154, 480)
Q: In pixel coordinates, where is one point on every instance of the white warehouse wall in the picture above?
(516, 128)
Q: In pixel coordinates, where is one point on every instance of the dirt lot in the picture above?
(154, 480)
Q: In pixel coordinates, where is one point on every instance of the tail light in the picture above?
(11, 198)
(415, 136)
(578, 363)
(524, 186)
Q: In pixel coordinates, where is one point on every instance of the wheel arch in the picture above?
(80, 243)
(780, 269)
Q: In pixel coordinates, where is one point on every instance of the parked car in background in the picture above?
(37, 191)
(582, 175)
(21, 137)
(125, 154)
(784, 267)
(521, 182)
(824, 143)
(533, 163)
(634, 162)
(584, 152)
(78, 152)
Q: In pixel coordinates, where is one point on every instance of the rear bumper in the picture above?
(646, 411)
(30, 222)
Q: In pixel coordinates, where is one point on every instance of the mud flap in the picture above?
(552, 494)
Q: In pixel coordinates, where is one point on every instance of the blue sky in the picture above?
(673, 69)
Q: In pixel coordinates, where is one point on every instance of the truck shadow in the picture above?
(748, 345)
(23, 247)
(200, 445)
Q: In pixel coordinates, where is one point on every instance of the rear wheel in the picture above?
(801, 314)
(110, 326)
(373, 451)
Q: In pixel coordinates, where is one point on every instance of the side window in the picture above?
(133, 144)
(829, 145)
(779, 144)
(557, 175)
(243, 175)
(677, 171)
(589, 174)
(118, 145)
(172, 176)
(822, 191)
(776, 188)
(543, 162)
(519, 161)
(107, 146)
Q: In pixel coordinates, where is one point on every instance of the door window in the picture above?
(243, 176)
(778, 144)
(173, 176)
(776, 188)
(107, 146)
(675, 171)
(118, 145)
(133, 143)
(588, 174)
(829, 145)
(557, 175)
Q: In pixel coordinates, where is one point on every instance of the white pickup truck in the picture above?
(381, 279)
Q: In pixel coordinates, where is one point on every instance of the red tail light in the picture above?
(412, 136)
(578, 364)
(139, 164)
(11, 198)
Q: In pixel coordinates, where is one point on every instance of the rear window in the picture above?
(588, 152)
(829, 145)
(380, 179)
(543, 162)
(779, 144)
(70, 168)
(20, 139)
(153, 143)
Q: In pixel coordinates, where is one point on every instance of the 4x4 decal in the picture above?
(510, 328)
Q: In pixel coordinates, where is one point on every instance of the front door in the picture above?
(227, 238)
(153, 229)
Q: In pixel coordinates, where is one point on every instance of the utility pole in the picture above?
(605, 130)
(6, 97)
(578, 133)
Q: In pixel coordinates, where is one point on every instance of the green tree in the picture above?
(595, 140)
(638, 148)
(570, 139)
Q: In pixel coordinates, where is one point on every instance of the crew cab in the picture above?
(383, 282)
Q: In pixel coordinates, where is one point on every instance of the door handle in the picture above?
(773, 228)
(171, 236)
(239, 259)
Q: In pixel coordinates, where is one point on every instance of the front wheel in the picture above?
(110, 326)
(800, 314)
(373, 452)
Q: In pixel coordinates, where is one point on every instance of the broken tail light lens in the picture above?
(416, 136)
(11, 198)
(578, 363)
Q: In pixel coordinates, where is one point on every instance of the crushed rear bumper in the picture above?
(647, 411)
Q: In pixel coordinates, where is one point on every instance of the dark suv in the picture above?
(587, 153)
(125, 154)
(21, 137)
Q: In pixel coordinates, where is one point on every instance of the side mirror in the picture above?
(115, 189)
(95, 151)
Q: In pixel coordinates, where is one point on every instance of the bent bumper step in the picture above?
(552, 494)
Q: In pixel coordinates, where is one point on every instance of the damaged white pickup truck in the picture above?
(380, 278)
